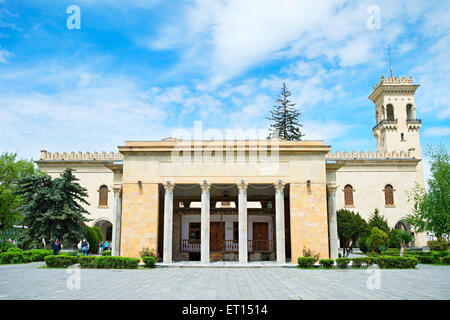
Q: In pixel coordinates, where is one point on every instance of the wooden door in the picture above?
(260, 236)
(217, 236)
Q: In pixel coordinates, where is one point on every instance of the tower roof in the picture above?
(393, 85)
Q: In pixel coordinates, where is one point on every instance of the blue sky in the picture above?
(141, 69)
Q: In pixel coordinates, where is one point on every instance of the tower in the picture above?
(396, 124)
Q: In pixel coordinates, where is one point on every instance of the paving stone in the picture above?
(28, 281)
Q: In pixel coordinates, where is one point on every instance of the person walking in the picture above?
(84, 247)
(101, 247)
(106, 245)
(56, 246)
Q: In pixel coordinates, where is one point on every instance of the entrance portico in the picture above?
(221, 226)
(240, 209)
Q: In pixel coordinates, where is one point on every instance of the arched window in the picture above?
(103, 196)
(390, 112)
(389, 195)
(409, 113)
(348, 195)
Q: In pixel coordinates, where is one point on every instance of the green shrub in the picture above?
(306, 262)
(60, 261)
(146, 252)
(149, 261)
(391, 262)
(357, 262)
(425, 259)
(5, 245)
(91, 237)
(116, 263)
(446, 260)
(438, 245)
(368, 261)
(12, 257)
(37, 254)
(377, 240)
(326, 263)
(106, 253)
(14, 249)
(342, 263)
(87, 261)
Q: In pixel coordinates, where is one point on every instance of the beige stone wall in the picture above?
(309, 220)
(139, 218)
(92, 176)
(368, 181)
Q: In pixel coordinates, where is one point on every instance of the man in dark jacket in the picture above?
(56, 246)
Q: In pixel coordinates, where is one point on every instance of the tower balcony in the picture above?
(414, 123)
(386, 124)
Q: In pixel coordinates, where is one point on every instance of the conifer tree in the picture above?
(52, 207)
(285, 118)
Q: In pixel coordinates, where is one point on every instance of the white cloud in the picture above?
(5, 55)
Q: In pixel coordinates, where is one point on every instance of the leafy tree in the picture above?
(397, 238)
(52, 207)
(11, 171)
(377, 220)
(377, 241)
(350, 227)
(431, 210)
(285, 118)
(99, 233)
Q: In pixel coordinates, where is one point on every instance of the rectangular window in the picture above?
(194, 232)
(236, 231)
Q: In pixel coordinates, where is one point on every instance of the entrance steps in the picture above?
(226, 264)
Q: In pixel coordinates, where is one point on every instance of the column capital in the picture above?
(205, 186)
(242, 186)
(117, 189)
(279, 185)
(331, 188)
(168, 186)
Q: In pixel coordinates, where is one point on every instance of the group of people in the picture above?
(13, 241)
(83, 246)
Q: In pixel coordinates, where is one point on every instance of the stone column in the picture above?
(243, 233)
(279, 222)
(117, 220)
(168, 222)
(205, 223)
(332, 222)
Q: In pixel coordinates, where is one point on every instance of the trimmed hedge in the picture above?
(342, 263)
(149, 261)
(446, 260)
(11, 257)
(116, 263)
(19, 256)
(391, 262)
(87, 261)
(306, 262)
(106, 253)
(60, 261)
(357, 262)
(438, 245)
(326, 263)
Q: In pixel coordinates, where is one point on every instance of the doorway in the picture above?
(217, 236)
(260, 236)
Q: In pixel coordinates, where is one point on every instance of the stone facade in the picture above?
(298, 184)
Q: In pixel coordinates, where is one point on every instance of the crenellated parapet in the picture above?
(95, 156)
(394, 81)
(368, 155)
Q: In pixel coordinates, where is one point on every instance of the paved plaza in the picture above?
(28, 281)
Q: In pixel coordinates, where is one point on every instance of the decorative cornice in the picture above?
(70, 156)
(369, 155)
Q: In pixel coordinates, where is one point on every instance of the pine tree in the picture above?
(52, 207)
(285, 118)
